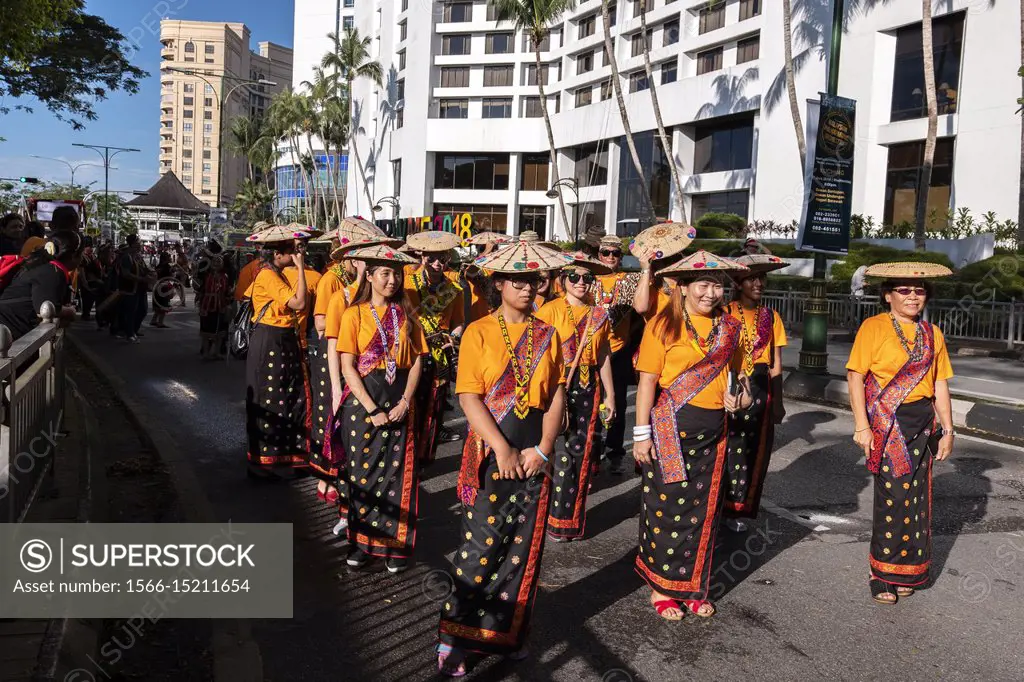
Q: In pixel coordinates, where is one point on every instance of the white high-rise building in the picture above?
(457, 126)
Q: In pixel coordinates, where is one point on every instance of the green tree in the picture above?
(56, 191)
(925, 178)
(794, 102)
(66, 59)
(253, 200)
(110, 205)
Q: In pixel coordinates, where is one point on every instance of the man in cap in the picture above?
(592, 240)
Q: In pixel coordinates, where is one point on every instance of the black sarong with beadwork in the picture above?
(276, 419)
(573, 466)
(751, 436)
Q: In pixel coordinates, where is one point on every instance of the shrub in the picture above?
(1001, 276)
(721, 226)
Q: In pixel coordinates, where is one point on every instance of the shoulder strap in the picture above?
(580, 345)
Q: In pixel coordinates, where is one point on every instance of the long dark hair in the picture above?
(269, 249)
(66, 245)
(668, 324)
(364, 294)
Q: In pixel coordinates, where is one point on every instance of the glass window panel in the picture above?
(670, 33)
(724, 146)
(749, 9)
(908, 100)
(748, 50)
(708, 61)
(735, 202)
(499, 43)
(712, 18)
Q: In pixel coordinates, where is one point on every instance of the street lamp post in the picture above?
(73, 168)
(573, 186)
(105, 152)
(390, 201)
(221, 104)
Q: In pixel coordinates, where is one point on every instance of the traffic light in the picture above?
(31, 181)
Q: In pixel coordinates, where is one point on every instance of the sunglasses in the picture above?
(575, 277)
(442, 258)
(520, 283)
(907, 291)
(611, 253)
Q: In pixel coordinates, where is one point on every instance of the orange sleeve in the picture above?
(417, 339)
(863, 352)
(556, 357)
(652, 352)
(273, 287)
(335, 309)
(325, 290)
(348, 332)
(245, 280)
(546, 314)
(459, 313)
(470, 378)
(943, 368)
(779, 331)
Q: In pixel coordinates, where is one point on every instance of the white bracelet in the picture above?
(641, 438)
(539, 452)
(641, 429)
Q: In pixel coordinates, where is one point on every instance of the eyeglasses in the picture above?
(575, 277)
(520, 283)
(906, 291)
(611, 253)
(442, 258)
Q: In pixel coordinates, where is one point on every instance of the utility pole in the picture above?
(108, 153)
(814, 348)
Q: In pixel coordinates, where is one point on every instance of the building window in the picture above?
(736, 202)
(207, 141)
(492, 12)
(499, 43)
(207, 89)
(535, 172)
(189, 87)
(606, 89)
(670, 33)
(584, 63)
(458, 171)
(709, 60)
(903, 176)
(592, 164)
(403, 30)
(455, 45)
(186, 127)
(186, 179)
(749, 9)
(188, 101)
(545, 45)
(613, 10)
(457, 12)
(349, 4)
(187, 113)
(724, 146)
(748, 50)
(206, 167)
(534, 218)
(712, 18)
(497, 107)
(186, 141)
(207, 154)
(532, 107)
(591, 214)
(638, 81)
(632, 205)
(485, 218)
(207, 128)
(207, 101)
(668, 72)
(396, 174)
(637, 7)
(497, 76)
(454, 77)
(586, 27)
(637, 43)
(453, 108)
(545, 72)
(208, 48)
(208, 115)
(190, 47)
(908, 100)
(186, 166)
(348, 22)
(584, 96)
(401, 60)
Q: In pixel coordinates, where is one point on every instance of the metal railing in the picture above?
(32, 381)
(966, 319)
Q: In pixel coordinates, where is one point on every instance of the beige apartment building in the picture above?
(193, 126)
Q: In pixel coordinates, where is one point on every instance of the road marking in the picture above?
(773, 508)
(990, 381)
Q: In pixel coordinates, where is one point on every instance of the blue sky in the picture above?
(124, 120)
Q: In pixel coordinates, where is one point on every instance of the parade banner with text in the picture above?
(828, 177)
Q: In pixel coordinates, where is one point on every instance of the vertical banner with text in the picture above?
(828, 176)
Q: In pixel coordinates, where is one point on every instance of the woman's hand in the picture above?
(509, 465)
(609, 408)
(734, 403)
(643, 451)
(863, 437)
(945, 447)
(380, 419)
(399, 411)
(532, 463)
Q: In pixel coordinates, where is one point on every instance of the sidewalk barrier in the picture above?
(992, 321)
(32, 382)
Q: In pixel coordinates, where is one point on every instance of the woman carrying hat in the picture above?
(752, 431)
(277, 390)
(656, 247)
(687, 361)
(510, 387)
(382, 348)
(898, 372)
(583, 328)
(438, 302)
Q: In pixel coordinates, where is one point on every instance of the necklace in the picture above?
(699, 343)
(915, 352)
(588, 340)
(749, 337)
(522, 376)
(390, 348)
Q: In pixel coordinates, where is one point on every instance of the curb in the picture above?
(998, 422)
(236, 656)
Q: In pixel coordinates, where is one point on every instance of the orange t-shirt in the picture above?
(478, 306)
(668, 362)
(878, 350)
(556, 313)
(245, 278)
(336, 307)
(271, 288)
(358, 328)
(659, 300)
(778, 331)
(454, 314)
(329, 284)
(483, 358)
(312, 281)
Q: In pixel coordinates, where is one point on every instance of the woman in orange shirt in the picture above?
(688, 354)
(510, 387)
(584, 329)
(276, 388)
(897, 373)
(382, 348)
(752, 431)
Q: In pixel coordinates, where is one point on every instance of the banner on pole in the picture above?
(828, 176)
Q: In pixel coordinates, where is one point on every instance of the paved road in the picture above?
(982, 378)
(792, 594)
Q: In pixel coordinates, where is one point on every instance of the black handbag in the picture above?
(241, 328)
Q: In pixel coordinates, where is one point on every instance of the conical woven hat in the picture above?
(701, 262)
(433, 241)
(761, 262)
(380, 253)
(299, 227)
(534, 238)
(278, 233)
(522, 257)
(663, 240)
(582, 260)
(356, 229)
(481, 238)
(906, 270)
(260, 225)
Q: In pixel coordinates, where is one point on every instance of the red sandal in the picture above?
(695, 605)
(663, 605)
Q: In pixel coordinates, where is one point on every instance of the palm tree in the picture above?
(249, 137)
(325, 93)
(666, 147)
(609, 50)
(284, 117)
(252, 199)
(534, 18)
(925, 179)
(351, 59)
(1020, 191)
(794, 103)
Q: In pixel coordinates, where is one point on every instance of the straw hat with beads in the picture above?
(582, 260)
(908, 270)
(523, 257)
(702, 263)
(663, 240)
(380, 254)
(277, 233)
(433, 241)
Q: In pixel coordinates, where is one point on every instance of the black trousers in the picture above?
(622, 376)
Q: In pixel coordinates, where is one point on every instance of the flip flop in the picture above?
(878, 588)
(663, 605)
(903, 591)
(694, 606)
(443, 652)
